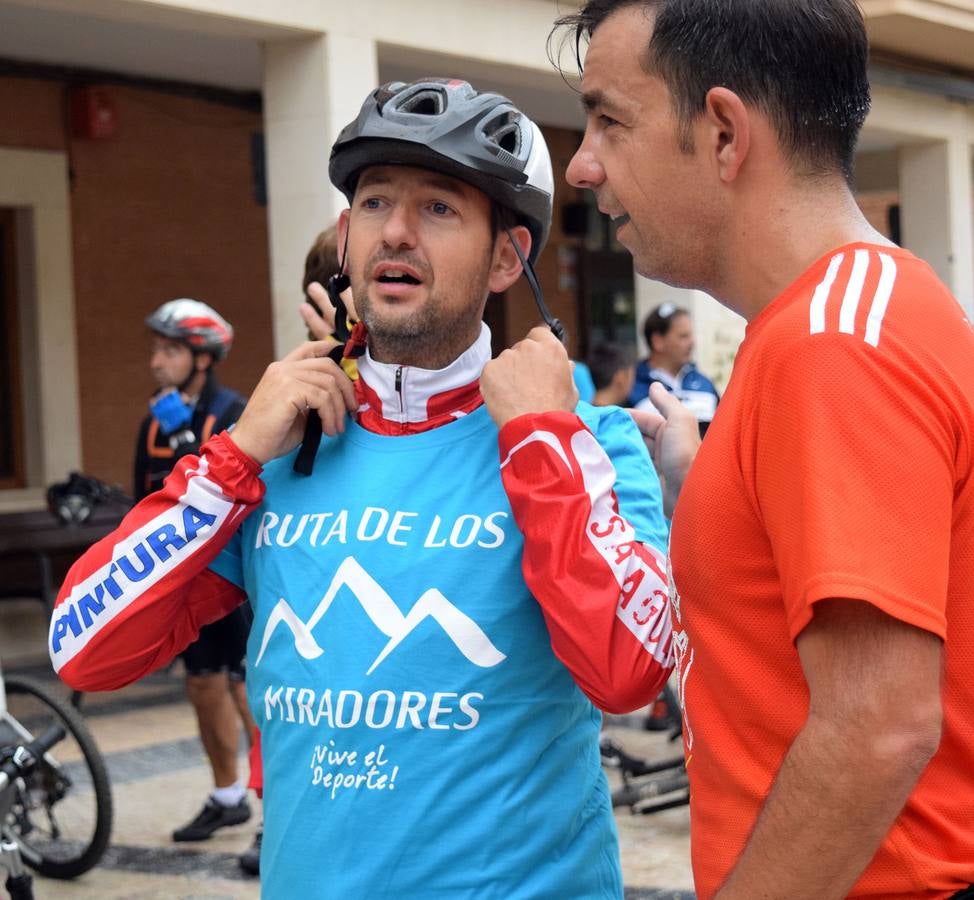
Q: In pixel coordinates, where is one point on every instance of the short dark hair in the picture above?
(660, 320)
(502, 218)
(605, 359)
(803, 63)
(322, 259)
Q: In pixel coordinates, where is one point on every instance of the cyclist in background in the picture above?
(613, 369)
(472, 568)
(189, 339)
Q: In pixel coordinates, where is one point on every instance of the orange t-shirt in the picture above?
(840, 463)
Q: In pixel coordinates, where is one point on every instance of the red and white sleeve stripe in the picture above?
(603, 594)
(140, 596)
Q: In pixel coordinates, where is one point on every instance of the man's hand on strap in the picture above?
(306, 382)
(533, 376)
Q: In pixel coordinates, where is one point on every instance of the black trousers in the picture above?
(964, 894)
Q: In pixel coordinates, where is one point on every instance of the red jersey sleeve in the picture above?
(140, 595)
(603, 593)
(853, 453)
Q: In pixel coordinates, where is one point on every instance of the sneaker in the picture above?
(212, 816)
(250, 859)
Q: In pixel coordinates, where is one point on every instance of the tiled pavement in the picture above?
(148, 735)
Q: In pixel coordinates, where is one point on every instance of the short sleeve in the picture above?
(637, 486)
(229, 562)
(852, 472)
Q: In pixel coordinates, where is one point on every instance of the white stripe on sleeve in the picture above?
(853, 293)
(884, 290)
(821, 296)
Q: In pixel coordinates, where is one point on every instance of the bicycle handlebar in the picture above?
(26, 756)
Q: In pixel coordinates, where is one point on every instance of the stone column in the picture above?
(312, 88)
(937, 210)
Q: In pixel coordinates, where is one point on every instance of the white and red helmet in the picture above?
(198, 326)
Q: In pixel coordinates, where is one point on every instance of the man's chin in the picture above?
(656, 270)
(393, 323)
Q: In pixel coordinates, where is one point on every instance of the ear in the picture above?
(342, 226)
(729, 127)
(506, 268)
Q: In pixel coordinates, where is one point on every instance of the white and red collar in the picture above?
(396, 399)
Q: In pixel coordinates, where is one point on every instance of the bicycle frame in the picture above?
(21, 762)
(10, 858)
(30, 806)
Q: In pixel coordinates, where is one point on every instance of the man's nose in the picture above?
(399, 228)
(584, 170)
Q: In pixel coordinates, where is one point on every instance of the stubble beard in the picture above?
(430, 336)
(679, 266)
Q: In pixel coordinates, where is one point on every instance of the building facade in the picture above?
(151, 149)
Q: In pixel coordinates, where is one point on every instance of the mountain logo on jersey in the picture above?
(466, 634)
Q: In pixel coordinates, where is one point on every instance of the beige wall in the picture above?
(35, 183)
(164, 209)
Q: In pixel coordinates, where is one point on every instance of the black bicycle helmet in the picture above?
(448, 126)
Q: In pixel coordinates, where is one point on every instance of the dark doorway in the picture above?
(608, 297)
(606, 285)
(11, 406)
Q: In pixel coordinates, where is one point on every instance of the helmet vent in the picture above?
(509, 140)
(424, 103)
(505, 132)
(507, 159)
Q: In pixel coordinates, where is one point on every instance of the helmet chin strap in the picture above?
(557, 329)
(304, 462)
(337, 285)
(184, 386)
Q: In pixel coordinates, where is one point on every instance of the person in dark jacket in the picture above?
(189, 339)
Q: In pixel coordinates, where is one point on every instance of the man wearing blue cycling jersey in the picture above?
(472, 569)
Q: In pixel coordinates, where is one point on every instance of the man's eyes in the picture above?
(437, 207)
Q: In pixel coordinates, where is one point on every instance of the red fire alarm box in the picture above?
(92, 112)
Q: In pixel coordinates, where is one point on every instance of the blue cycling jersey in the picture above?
(420, 738)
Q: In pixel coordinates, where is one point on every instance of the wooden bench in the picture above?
(36, 550)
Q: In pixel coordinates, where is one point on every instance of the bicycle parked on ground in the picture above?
(21, 763)
(649, 787)
(56, 812)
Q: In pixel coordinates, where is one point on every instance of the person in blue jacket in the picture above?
(668, 330)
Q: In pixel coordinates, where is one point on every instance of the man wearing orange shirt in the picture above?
(823, 543)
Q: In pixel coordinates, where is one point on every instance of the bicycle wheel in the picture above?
(62, 817)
